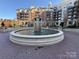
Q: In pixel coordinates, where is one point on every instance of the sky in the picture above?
(8, 7)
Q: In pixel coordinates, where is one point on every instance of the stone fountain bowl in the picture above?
(36, 40)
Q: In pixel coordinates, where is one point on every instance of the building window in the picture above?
(70, 2)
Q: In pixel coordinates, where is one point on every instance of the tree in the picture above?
(2, 24)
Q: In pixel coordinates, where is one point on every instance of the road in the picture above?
(67, 49)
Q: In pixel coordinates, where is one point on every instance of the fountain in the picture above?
(36, 36)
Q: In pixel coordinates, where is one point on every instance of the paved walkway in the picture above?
(67, 49)
(72, 30)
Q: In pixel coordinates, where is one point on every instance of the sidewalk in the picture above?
(72, 30)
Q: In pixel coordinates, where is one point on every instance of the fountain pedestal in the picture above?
(37, 25)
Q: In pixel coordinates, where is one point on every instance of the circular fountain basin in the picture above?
(28, 37)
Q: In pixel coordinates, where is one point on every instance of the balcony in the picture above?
(76, 3)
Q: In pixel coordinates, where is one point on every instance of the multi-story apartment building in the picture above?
(73, 14)
(69, 12)
(66, 11)
(50, 15)
(45, 13)
(76, 12)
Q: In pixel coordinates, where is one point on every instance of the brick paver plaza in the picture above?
(67, 49)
